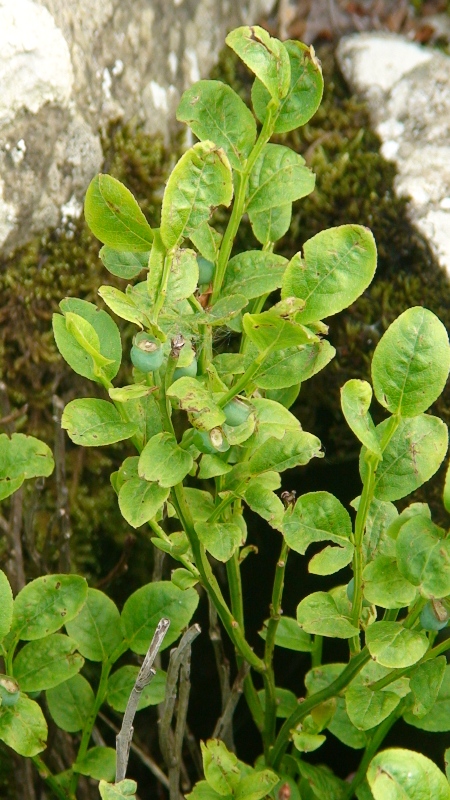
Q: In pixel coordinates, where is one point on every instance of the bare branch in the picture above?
(223, 668)
(140, 753)
(146, 673)
(62, 492)
(223, 725)
(171, 741)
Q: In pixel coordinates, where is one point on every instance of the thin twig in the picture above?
(171, 742)
(223, 725)
(62, 491)
(122, 565)
(146, 673)
(139, 752)
(222, 665)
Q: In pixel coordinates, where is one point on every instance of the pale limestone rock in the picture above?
(407, 88)
(70, 68)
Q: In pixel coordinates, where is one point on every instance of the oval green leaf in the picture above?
(305, 90)
(398, 774)
(23, 728)
(148, 605)
(279, 176)
(70, 703)
(140, 501)
(437, 718)
(215, 112)
(114, 216)
(98, 763)
(254, 273)
(200, 182)
(46, 663)
(6, 606)
(414, 453)
(385, 586)
(318, 614)
(219, 538)
(125, 790)
(411, 362)
(356, 397)
(46, 604)
(96, 629)
(338, 265)
(266, 57)
(124, 264)
(423, 557)
(290, 636)
(162, 460)
(392, 645)
(92, 423)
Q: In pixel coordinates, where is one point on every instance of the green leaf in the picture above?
(272, 420)
(338, 265)
(272, 223)
(340, 726)
(366, 708)
(385, 586)
(294, 365)
(162, 460)
(93, 422)
(356, 397)
(256, 785)
(96, 629)
(392, 645)
(123, 264)
(140, 501)
(324, 785)
(194, 398)
(318, 613)
(183, 276)
(23, 457)
(294, 449)
(307, 742)
(46, 663)
(23, 727)
(438, 717)
(148, 605)
(425, 684)
(254, 273)
(72, 352)
(219, 538)
(289, 635)
(98, 763)
(70, 703)
(305, 91)
(376, 539)
(446, 492)
(414, 453)
(123, 305)
(6, 606)
(134, 391)
(269, 332)
(318, 517)
(46, 604)
(10, 485)
(86, 336)
(207, 241)
(220, 767)
(121, 683)
(114, 216)
(399, 774)
(199, 182)
(212, 466)
(203, 791)
(125, 790)
(183, 578)
(423, 557)
(411, 362)
(224, 310)
(214, 111)
(286, 702)
(279, 176)
(265, 503)
(145, 412)
(266, 57)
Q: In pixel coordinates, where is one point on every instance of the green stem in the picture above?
(239, 205)
(244, 379)
(316, 652)
(50, 780)
(378, 736)
(341, 682)
(411, 618)
(269, 679)
(162, 291)
(231, 625)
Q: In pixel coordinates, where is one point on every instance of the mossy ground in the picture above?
(354, 184)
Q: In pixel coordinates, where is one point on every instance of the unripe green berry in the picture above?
(146, 354)
(433, 616)
(9, 691)
(236, 412)
(205, 270)
(210, 442)
(190, 371)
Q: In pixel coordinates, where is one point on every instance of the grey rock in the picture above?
(70, 69)
(407, 88)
